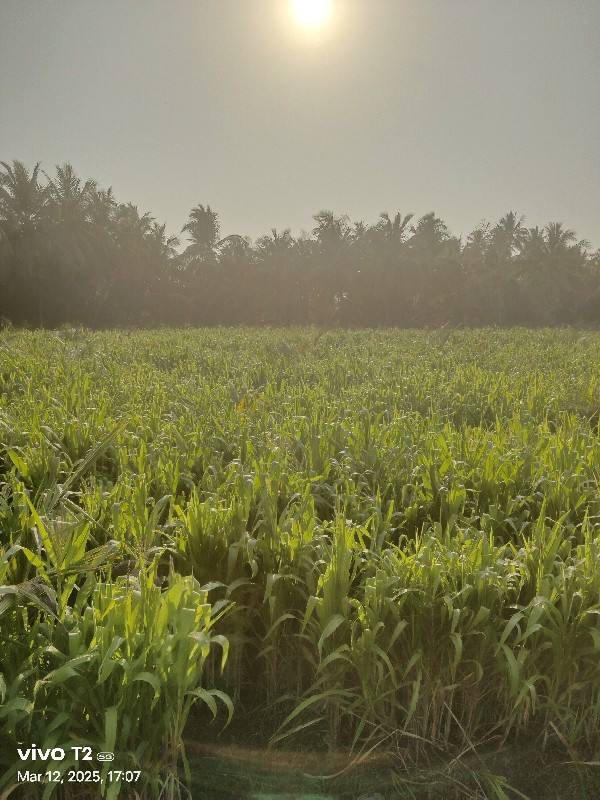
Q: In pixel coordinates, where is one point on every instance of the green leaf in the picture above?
(333, 624)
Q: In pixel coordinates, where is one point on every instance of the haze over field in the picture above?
(299, 399)
(466, 108)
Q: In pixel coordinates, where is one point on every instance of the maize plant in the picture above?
(359, 539)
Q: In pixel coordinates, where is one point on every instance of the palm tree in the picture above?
(101, 206)
(394, 230)
(164, 246)
(69, 199)
(429, 236)
(132, 279)
(534, 243)
(479, 281)
(551, 266)
(560, 240)
(332, 233)
(478, 242)
(198, 263)
(509, 236)
(23, 199)
(326, 280)
(276, 296)
(76, 247)
(203, 229)
(379, 288)
(275, 244)
(23, 217)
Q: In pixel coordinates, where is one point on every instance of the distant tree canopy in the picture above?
(71, 253)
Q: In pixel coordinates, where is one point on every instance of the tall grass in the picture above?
(367, 537)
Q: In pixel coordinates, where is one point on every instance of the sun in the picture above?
(311, 13)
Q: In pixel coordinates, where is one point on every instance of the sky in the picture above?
(469, 108)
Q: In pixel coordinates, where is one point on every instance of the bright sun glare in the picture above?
(311, 13)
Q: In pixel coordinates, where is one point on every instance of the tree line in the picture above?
(71, 253)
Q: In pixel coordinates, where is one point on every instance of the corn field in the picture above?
(368, 540)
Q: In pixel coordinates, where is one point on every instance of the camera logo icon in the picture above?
(105, 756)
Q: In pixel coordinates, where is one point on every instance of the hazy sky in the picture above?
(469, 108)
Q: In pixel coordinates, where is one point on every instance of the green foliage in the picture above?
(370, 538)
(71, 254)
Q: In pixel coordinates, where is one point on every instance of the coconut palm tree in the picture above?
(430, 235)
(332, 233)
(394, 231)
(101, 206)
(23, 199)
(478, 243)
(551, 267)
(69, 197)
(326, 275)
(202, 228)
(76, 247)
(275, 285)
(23, 218)
(508, 236)
(275, 244)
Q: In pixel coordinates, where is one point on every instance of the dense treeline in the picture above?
(71, 253)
